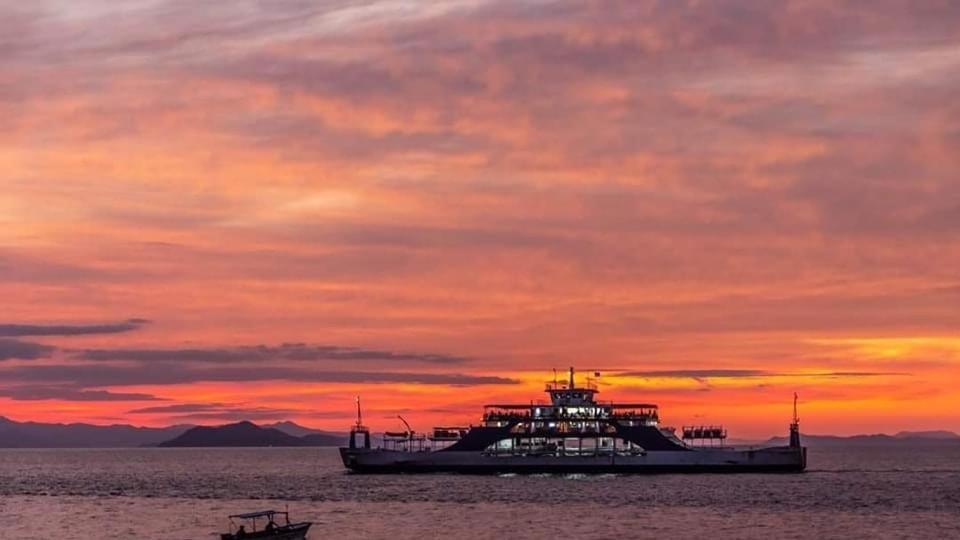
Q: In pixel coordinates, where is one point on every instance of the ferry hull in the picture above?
(718, 460)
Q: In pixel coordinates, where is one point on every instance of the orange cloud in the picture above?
(639, 186)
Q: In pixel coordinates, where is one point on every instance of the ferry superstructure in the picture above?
(572, 433)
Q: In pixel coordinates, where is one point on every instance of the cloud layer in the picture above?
(19, 330)
(655, 186)
(296, 352)
(13, 348)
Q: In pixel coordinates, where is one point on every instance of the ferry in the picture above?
(573, 432)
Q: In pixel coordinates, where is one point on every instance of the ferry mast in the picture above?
(795, 425)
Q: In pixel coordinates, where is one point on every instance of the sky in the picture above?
(213, 211)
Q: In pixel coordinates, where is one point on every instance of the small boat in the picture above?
(270, 529)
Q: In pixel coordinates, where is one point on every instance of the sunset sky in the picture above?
(212, 210)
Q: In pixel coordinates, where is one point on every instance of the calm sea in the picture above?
(855, 492)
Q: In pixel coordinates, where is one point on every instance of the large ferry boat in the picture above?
(572, 433)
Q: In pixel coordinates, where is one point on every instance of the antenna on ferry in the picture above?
(796, 417)
(359, 415)
(795, 425)
(571, 377)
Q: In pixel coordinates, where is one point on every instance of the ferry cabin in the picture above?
(572, 423)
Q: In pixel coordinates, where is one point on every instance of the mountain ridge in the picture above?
(902, 439)
(29, 434)
(14, 434)
(298, 430)
(247, 434)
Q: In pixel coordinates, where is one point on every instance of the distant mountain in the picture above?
(41, 435)
(314, 437)
(935, 434)
(15, 434)
(292, 428)
(326, 439)
(903, 438)
(249, 434)
(238, 434)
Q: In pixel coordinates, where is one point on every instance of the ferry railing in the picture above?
(704, 434)
(414, 443)
(572, 417)
(652, 415)
(555, 386)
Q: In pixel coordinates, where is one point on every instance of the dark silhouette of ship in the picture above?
(572, 433)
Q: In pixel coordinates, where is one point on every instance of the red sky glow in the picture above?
(212, 211)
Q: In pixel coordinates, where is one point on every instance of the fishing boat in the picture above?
(573, 432)
(269, 527)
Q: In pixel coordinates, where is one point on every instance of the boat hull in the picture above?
(296, 531)
(714, 460)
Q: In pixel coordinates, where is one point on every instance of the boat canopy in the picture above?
(262, 513)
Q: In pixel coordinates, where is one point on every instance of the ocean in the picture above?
(848, 492)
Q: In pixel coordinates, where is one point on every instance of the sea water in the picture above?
(849, 492)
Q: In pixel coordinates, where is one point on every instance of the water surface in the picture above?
(903, 492)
